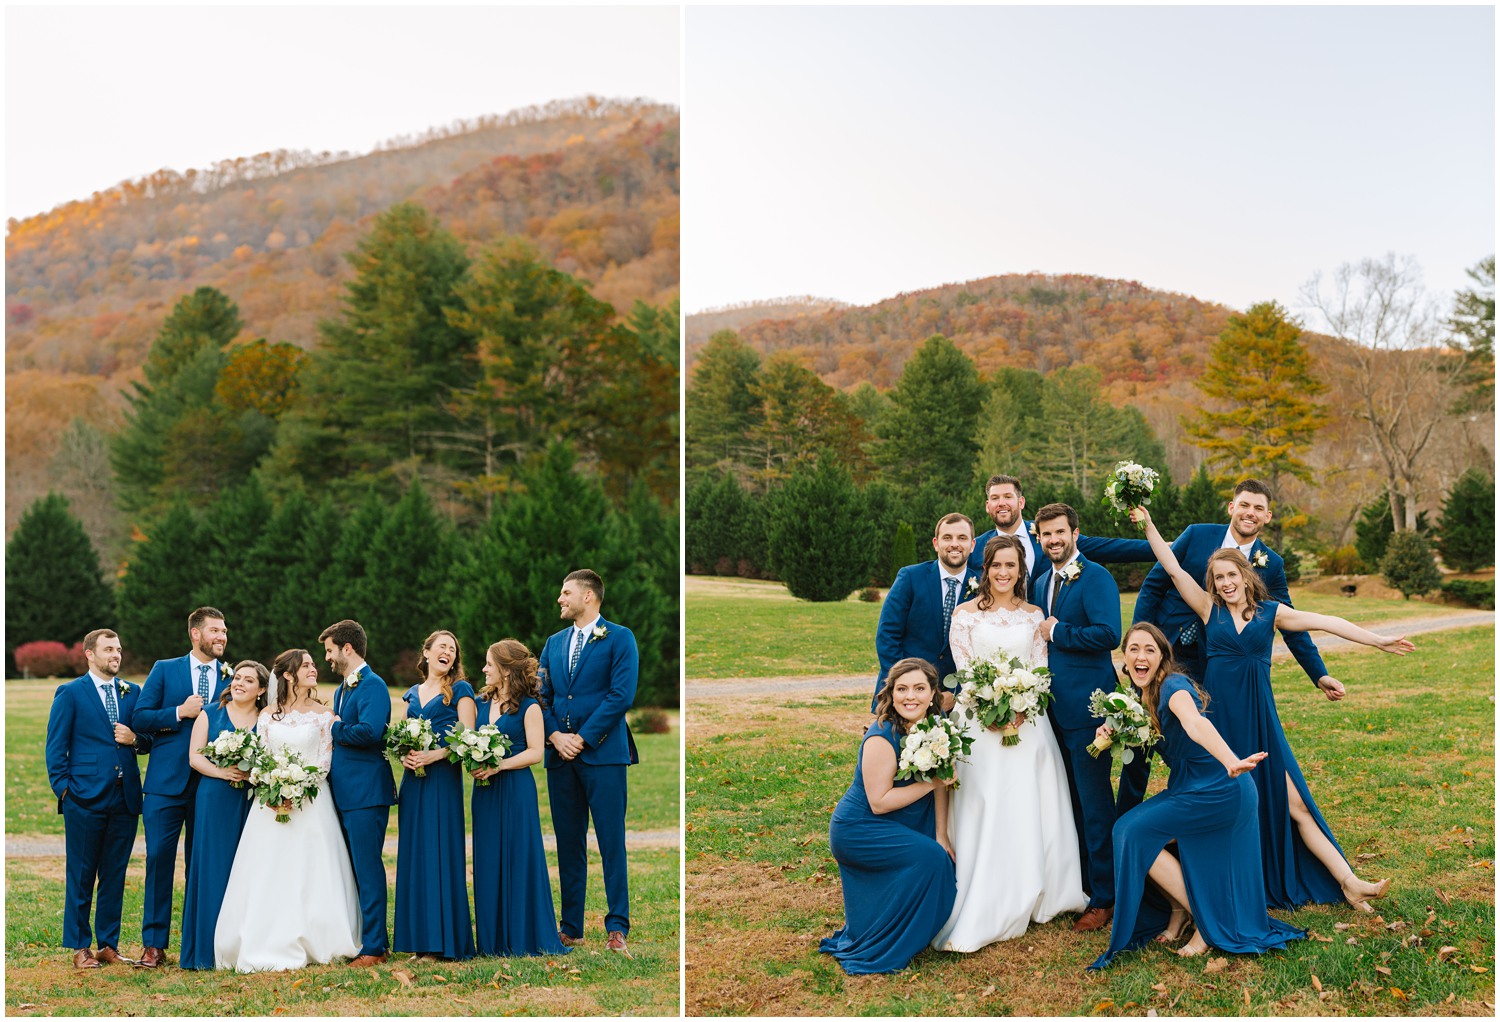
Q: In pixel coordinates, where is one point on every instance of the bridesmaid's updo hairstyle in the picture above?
(455, 669)
(885, 709)
(515, 676)
(285, 668)
(1256, 592)
(993, 547)
(261, 675)
(1151, 694)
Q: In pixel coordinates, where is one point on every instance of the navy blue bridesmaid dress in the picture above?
(1243, 708)
(513, 912)
(432, 893)
(1213, 817)
(898, 882)
(221, 810)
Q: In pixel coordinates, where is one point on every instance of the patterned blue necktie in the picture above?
(111, 707)
(577, 652)
(950, 600)
(1188, 635)
(203, 682)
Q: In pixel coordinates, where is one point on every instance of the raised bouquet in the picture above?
(477, 748)
(411, 734)
(1128, 722)
(1129, 485)
(233, 750)
(283, 781)
(931, 749)
(998, 689)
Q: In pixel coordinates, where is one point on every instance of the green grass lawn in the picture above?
(745, 628)
(1403, 770)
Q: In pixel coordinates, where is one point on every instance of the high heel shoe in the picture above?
(1176, 923)
(1361, 902)
(1196, 946)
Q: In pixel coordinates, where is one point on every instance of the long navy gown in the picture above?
(221, 810)
(1243, 708)
(898, 882)
(513, 913)
(432, 893)
(1213, 817)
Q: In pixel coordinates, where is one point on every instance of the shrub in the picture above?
(1409, 566)
(1342, 560)
(903, 549)
(1472, 592)
(1467, 537)
(823, 545)
(1374, 530)
(650, 720)
(44, 659)
(869, 594)
(1293, 564)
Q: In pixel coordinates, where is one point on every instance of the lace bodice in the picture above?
(307, 733)
(976, 634)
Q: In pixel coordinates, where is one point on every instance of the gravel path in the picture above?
(724, 688)
(33, 846)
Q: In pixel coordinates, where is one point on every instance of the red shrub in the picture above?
(44, 659)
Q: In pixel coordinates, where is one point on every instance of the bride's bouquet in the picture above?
(1129, 486)
(998, 689)
(931, 749)
(1128, 722)
(413, 734)
(477, 748)
(283, 781)
(233, 750)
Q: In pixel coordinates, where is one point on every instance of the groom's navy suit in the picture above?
(171, 786)
(98, 786)
(590, 701)
(1099, 549)
(1086, 633)
(911, 620)
(363, 789)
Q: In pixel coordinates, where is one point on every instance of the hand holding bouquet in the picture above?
(1129, 486)
(999, 689)
(233, 750)
(411, 734)
(931, 749)
(477, 748)
(1126, 720)
(283, 781)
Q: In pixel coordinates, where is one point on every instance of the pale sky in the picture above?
(95, 95)
(1228, 153)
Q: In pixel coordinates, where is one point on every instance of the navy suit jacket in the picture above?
(359, 776)
(592, 703)
(168, 684)
(1086, 633)
(1099, 549)
(83, 758)
(911, 619)
(1161, 604)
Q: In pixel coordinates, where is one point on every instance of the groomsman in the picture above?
(588, 674)
(360, 778)
(1159, 602)
(918, 609)
(176, 691)
(1004, 503)
(91, 765)
(1082, 604)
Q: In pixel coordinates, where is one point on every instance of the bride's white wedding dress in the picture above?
(1011, 822)
(291, 897)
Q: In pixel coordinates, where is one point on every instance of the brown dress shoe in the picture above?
(569, 941)
(1093, 919)
(109, 956)
(83, 958)
(616, 941)
(365, 961)
(152, 957)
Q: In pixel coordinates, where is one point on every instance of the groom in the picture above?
(588, 674)
(360, 779)
(1082, 604)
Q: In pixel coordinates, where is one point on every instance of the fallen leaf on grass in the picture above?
(23, 1007)
(440, 978)
(1102, 1005)
(1382, 970)
(1399, 924)
(1341, 926)
(1446, 952)
(1448, 999)
(1440, 893)
(403, 976)
(299, 982)
(1317, 983)
(1319, 937)
(1478, 968)
(1351, 940)
(1398, 993)
(158, 997)
(1216, 965)
(1151, 1013)
(1247, 996)
(1160, 988)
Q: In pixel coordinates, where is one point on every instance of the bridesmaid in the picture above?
(513, 912)
(1301, 860)
(1209, 807)
(432, 898)
(221, 810)
(898, 879)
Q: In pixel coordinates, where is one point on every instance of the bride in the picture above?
(291, 896)
(1011, 822)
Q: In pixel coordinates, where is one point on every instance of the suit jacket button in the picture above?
(570, 699)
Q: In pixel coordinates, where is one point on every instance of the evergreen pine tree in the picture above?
(928, 434)
(1202, 501)
(721, 407)
(903, 550)
(54, 589)
(1375, 527)
(1467, 535)
(229, 531)
(1408, 565)
(308, 596)
(406, 582)
(651, 530)
(349, 564)
(162, 577)
(260, 631)
(824, 547)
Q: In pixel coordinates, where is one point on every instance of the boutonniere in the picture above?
(1071, 572)
(225, 674)
(123, 688)
(353, 679)
(1260, 560)
(973, 586)
(1031, 528)
(598, 633)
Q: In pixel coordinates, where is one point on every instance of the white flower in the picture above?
(413, 726)
(973, 586)
(600, 631)
(1260, 560)
(913, 741)
(986, 692)
(923, 759)
(1071, 572)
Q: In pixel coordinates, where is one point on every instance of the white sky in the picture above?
(1228, 153)
(95, 95)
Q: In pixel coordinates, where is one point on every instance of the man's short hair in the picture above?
(91, 640)
(998, 480)
(590, 580)
(202, 614)
(1051, 511)
(346, 633)
(952, 517)
(1251, 486)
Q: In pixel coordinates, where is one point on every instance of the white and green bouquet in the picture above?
(1129, 485)
(477, 748)
(931, 749)
(1128, 722)
(412, 734)
(999, 689)
(284, 781)
(233, 750)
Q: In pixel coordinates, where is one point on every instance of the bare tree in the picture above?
(1404, 378)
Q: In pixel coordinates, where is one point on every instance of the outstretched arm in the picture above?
(1205, 734)
(1192, 593)
(1289, 619)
